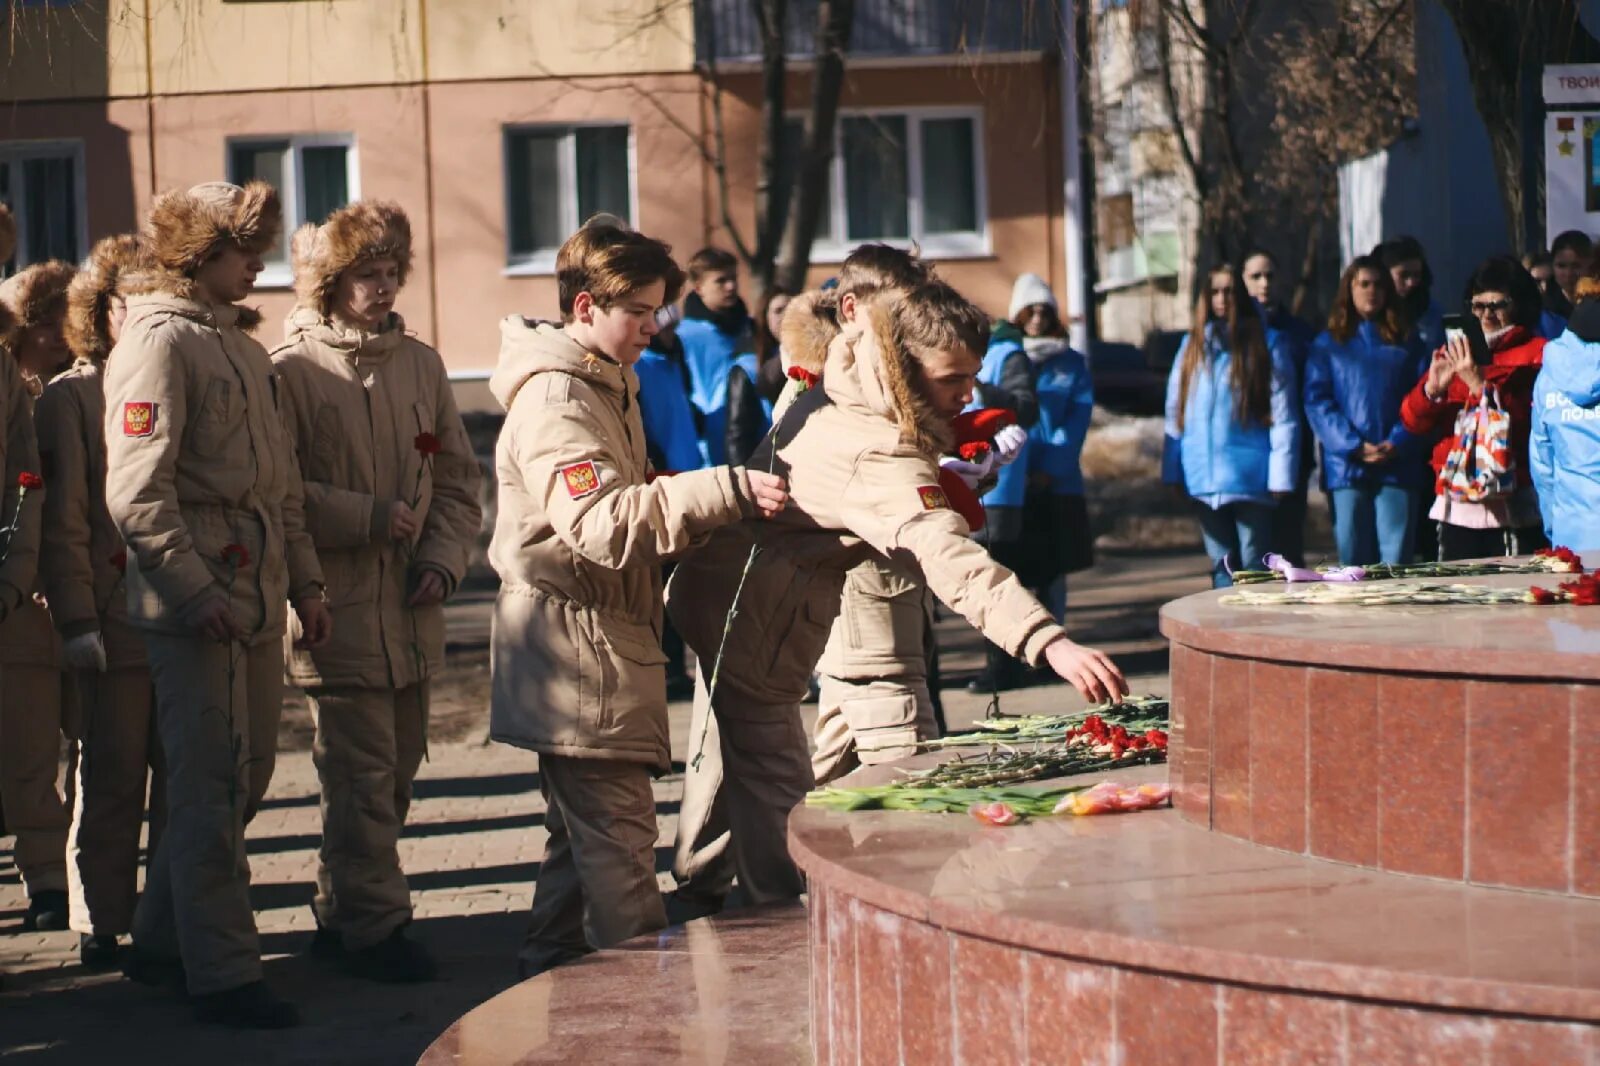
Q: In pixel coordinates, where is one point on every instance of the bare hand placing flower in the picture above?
(1091, 672)
(769, 492)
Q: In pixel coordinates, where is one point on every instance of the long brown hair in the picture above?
(1344, 320)
(767, 343)
(1245, 338)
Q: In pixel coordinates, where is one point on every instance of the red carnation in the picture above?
(1585, 591)
(974, 451)
(1565, 559)
(1156, 737)
(1544, 597)
(805, 377)
(427, 444)
(236, 556)
(29, 480)
(119, 561)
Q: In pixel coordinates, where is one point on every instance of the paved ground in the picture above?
(471, 847)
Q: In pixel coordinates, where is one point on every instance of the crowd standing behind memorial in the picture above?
(171, 489)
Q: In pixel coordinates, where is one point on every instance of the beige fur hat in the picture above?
(37, 295)
(367, 229)
(184, 228)
(110, 264)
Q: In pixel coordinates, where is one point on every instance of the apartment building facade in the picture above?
(501, 124)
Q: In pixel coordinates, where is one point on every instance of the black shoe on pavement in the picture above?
(251, 1006)
(684, 906)
(326, 945)
(148, 968)
(47, 912)
(396, 960)
(99, 952)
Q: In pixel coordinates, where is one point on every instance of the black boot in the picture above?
(150, 968)
(98, 952)
(47, 912)
(251, 1006)
(326, 944)
(396, 960)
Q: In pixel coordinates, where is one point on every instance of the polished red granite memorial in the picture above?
(1384, 852)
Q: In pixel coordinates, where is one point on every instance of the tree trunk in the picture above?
(771, 213)
(835, 18)
(1507, 44)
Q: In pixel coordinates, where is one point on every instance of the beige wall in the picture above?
(472, 39)
(116, 154)
(387, 125)
(92, 48)
(475, 291)
(1022, 150)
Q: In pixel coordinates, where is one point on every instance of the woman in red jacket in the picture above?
(1505, 299)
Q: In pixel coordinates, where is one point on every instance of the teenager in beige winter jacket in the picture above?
(201, 480)
(861, 454)
(36, 703)
(81, 566)
(392, 503)
(578, 673)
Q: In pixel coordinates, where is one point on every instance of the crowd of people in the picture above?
(1435, 435)
(191, 521)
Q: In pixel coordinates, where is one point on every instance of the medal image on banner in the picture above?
(933, 498)
(581, 479)
(138, 419)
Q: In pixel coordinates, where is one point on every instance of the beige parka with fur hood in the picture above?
(197, 455)
(578, 544)
(860, 452)
(34, 296)
(83, 557)
(19, 455)
(356, 403)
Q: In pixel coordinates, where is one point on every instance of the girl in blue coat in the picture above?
(1357, 375)
(1564, 449)
(1233, 441)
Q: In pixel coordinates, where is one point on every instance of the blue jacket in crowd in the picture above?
(710, 348)
(1430, 328)
(1066, 403)
(669, 431)
(1012, 485)
(1353, 392)
(1214, 455)
(1551, 325)
(1564, 445)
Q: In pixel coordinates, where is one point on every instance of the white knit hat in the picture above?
(1029, 290)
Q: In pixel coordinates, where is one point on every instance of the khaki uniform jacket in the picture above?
(356, 403)
(856, 491)
(78, 557)
(26, 637)
(198, 458)
(578, 543)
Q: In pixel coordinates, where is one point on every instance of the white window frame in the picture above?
(281, 275)
(835, 246)
(13, 152)
(542, 261)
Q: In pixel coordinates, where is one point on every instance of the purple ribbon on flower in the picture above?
(1292, 573)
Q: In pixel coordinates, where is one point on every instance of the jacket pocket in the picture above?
(327, 437)
(628, 689)
(209, 428)
(883, 612)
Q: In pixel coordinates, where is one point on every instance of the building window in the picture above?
(43, 184)
(556, 177)
(908, 176)
(315, 175)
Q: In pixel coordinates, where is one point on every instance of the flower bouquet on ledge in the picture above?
(1582, 591)
(1544, 561)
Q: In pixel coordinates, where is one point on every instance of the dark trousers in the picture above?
(1459, 542)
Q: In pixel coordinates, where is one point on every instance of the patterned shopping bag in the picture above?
(1480, 466)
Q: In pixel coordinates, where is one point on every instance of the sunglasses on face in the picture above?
(1484, 307)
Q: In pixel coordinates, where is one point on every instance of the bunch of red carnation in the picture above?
(1560, 560)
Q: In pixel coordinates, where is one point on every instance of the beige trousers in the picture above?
(869, 722)
(754, 769)
(119, 753)
(369, 745)
(35, 712)
(597, 883)
(217, 709)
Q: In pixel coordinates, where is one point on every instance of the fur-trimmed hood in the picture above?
(37, 295)
(106, 272)
(184, 228)
(367, 229)
(871, 369)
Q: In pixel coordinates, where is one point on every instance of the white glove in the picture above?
(971, 473)
(86, 652)
(1008, 444)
